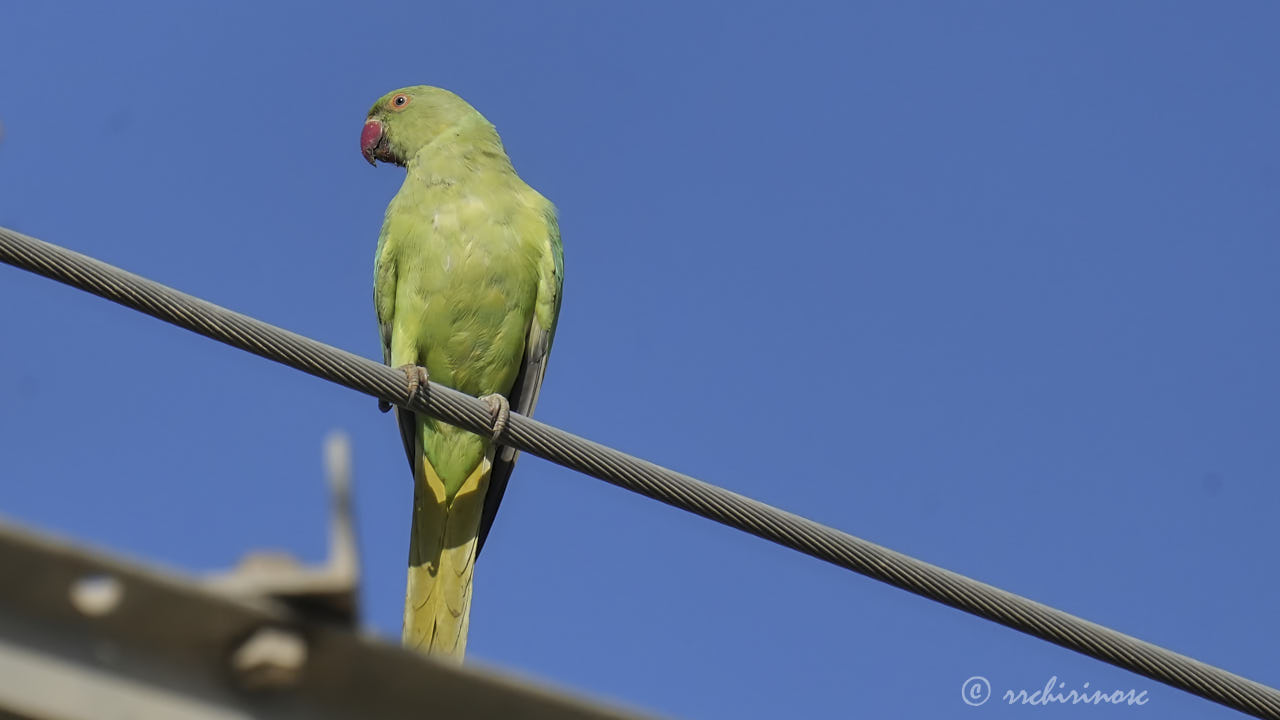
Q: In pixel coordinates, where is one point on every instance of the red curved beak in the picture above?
(371, 141)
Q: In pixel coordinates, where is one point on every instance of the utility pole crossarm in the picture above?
(84, 636)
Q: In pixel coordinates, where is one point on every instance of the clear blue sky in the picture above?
(990, 283)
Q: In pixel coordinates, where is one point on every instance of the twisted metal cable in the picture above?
(625, 471)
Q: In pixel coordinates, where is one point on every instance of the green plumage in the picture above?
(467, 284)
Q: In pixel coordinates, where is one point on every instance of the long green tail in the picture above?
(442, 555)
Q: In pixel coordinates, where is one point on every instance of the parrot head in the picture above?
(404, 121)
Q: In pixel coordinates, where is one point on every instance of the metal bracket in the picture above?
(328, 591)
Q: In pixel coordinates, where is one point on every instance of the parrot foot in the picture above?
(417, 378)
(500, 409)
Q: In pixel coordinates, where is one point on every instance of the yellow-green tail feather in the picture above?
(442, 556)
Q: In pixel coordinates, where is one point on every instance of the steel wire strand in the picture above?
(643, 477)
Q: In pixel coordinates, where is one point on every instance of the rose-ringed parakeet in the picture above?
(467, 285)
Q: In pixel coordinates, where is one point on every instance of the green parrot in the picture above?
(467, 282)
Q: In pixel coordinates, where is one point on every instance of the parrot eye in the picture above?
(399, 101)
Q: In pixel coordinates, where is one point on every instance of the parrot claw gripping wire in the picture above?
(417, 377)
(501, 411)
